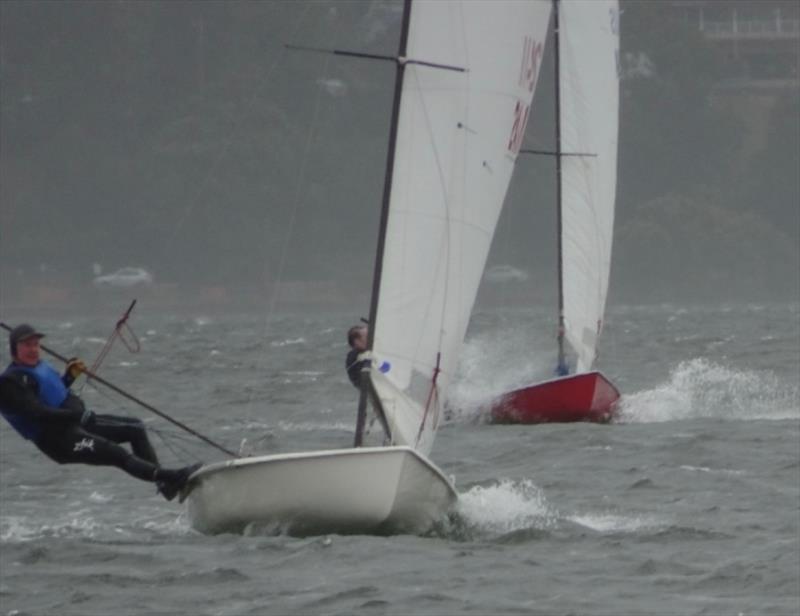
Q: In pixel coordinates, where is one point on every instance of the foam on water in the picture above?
(301, 376)
(510, 506)
(313, 373)
(98, 497)
(83, 525)
(614, 523)
(491, 365)
(16, 529)
(700, 388)
(254, 427)
(705, 469)
(313, 426)
(167, 524)
(505, 507)
(288, 342)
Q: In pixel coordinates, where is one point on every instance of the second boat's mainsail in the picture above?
(588, 85)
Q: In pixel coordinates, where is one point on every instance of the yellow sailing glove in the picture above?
(75, 367)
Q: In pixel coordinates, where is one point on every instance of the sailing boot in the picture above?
(171, 481)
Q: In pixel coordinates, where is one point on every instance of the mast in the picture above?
(387, 191)
(561, 368)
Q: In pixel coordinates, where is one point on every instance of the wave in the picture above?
(489, 366)
(20, 529)
(515, 511)
(615, 523)
(505, 507)
(315, 426)
(699, 388)
(83, 524)
(288, 342)
(292, 426)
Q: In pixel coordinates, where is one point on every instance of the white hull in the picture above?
(381, 490)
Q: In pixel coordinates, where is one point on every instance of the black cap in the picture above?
(20, 333)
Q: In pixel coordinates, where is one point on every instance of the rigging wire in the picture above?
(249, 104)
(133, 346)
(296, 202)
(169, 438)
(132, 398)
(173, 441)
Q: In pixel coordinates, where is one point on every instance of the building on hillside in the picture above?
(760, 39)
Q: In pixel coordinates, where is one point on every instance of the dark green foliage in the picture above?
(184, 137)
(699, 214)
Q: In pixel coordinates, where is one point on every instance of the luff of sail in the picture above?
(458, 136)
(589, 102)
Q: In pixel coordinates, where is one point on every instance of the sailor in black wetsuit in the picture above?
(357, 339)
(38, 404)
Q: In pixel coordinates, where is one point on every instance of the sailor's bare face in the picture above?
(28, 351)
(360, 342)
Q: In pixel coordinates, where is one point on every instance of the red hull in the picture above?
(579, 397)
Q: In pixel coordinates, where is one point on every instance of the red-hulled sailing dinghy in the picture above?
(579, 397)
(586, 47)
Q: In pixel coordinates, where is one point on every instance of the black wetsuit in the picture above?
(353, 367)
(58, 432)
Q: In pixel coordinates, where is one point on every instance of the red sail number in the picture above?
(532, 52)
(518, 128)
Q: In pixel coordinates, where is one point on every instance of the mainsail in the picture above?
(588, 36)
(466, 72)
(586, 60)
(469, 75)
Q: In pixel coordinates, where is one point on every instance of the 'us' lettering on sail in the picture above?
(528, 73)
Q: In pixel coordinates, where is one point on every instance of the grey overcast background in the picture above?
(183, 137)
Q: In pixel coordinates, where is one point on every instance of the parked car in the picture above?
(125, 278)
(505, 273)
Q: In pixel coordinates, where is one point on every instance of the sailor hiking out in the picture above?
(39, 405)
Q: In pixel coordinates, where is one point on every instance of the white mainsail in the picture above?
(470, 68)
(458, 136)
(589, 109)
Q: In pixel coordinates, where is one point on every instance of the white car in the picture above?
(505, 273)
(125, 278)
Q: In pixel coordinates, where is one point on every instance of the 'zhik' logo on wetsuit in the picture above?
(87, 443)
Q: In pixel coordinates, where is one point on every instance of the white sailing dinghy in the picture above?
(466, 72)
(586, 47)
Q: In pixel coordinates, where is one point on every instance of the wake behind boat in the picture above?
(466, 72)
(586, 58)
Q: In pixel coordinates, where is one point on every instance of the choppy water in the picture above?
(688, 504)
